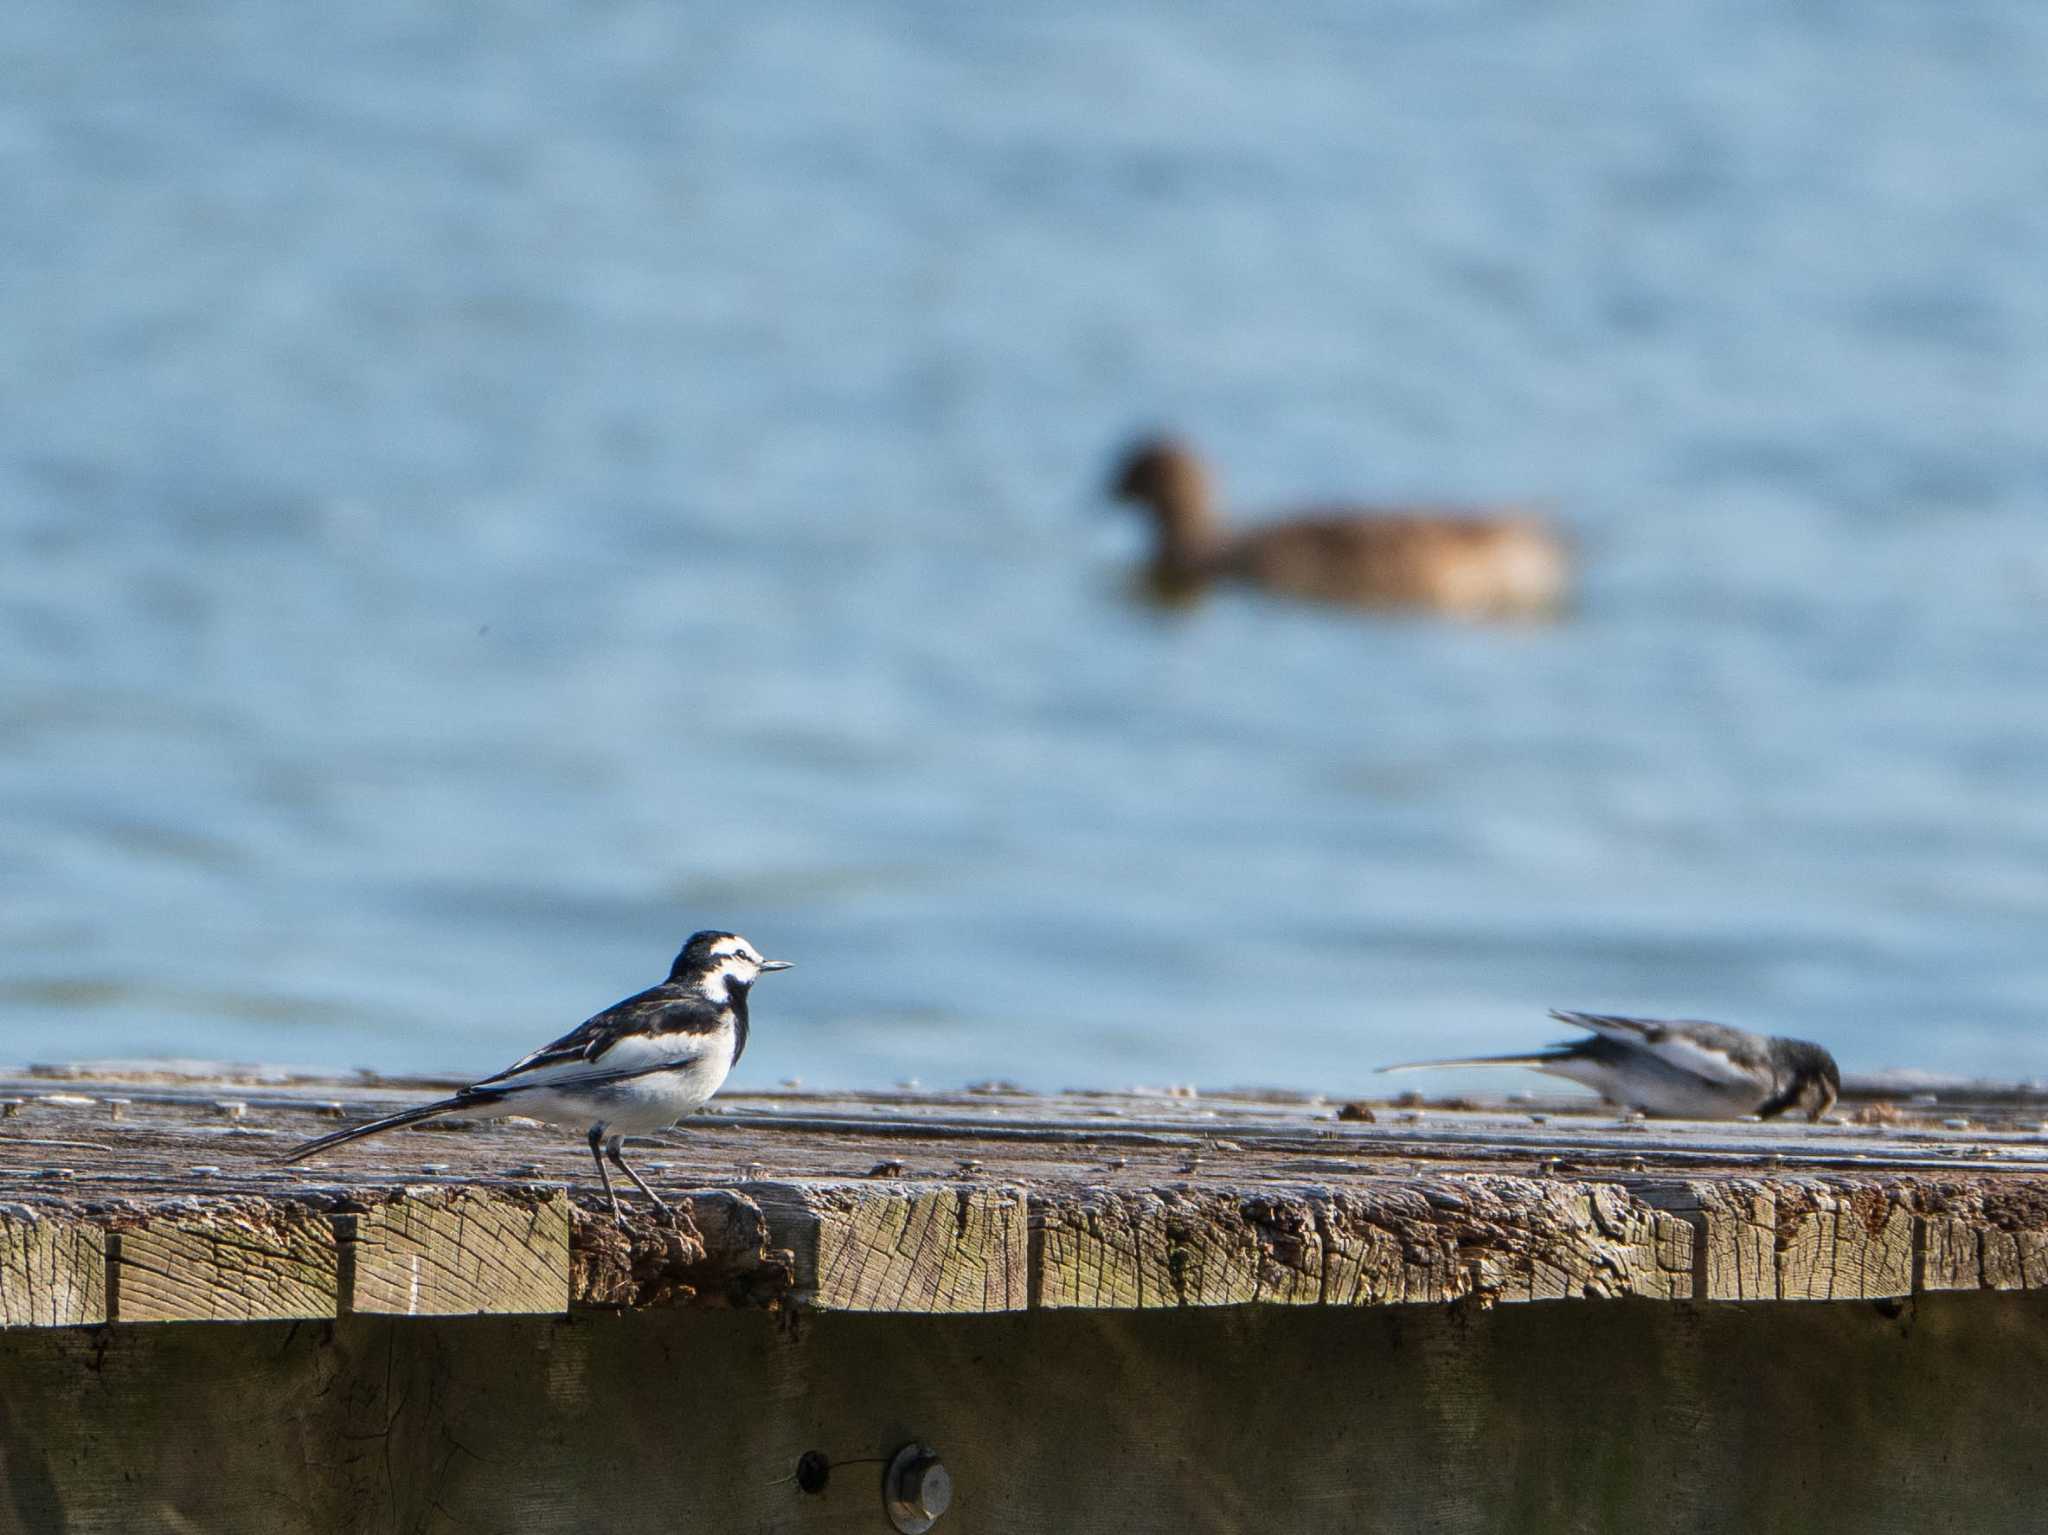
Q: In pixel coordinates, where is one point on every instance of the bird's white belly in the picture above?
(1668, 1093)
(633, 1105)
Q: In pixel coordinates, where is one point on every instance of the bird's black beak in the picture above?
(776, 964)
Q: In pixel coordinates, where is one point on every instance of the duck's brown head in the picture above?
(1164, 476)
(1160, 469)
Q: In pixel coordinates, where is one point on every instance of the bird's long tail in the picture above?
(379, 1126)
(1527, 1058)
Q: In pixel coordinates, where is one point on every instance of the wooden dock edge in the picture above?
(969, 1248)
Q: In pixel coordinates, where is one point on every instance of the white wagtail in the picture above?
(1681, 1068)
(638, 1066)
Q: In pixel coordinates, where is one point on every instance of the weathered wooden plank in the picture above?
(1735, 1224)
(1983, 1234)
(2021, 1261)
(1964, 1253)
(236, 1261)
(1588, 1241)
(1126, 1204)
(1145, 1248)
(899, 1247)
(53, 1273)
(456, 1254)
(1951, 1255)
(1497, 1238)
(1387, 1246)
(1088, 1253)
(717, 1251)
(1798, 1238)
(1837, 1243)
(1500, 1238)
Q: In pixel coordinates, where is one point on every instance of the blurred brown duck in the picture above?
(1471, 564)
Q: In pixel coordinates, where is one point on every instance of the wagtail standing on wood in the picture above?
(1681, 1068)
(638, 1066)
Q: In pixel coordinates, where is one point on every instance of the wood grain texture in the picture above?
(1147, 1248)
(1503, 1239)
(1576, 1241)
(456, 1254)
(233, 1261)
(2012, 1260)
(1383, 1242)
(717, 1252)
(1981, 1235)
(1388, 1246)
(900, 1247)
(53, 1272)
(1735, 1225)
(1840, 1242)
(1951, 1256)
(1800, 1238)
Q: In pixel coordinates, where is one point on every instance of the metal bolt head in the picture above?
(917, 1489)
(813, 1471)
(930, 1487)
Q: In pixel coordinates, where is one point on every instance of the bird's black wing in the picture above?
(1710, 1050)
(658, 1010)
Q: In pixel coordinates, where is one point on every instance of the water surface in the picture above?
(486, 492)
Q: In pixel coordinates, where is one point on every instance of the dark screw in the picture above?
(813, 1471)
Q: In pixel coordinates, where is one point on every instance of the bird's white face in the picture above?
(732, 961)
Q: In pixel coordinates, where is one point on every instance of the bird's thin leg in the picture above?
(611, 1150)
(605, 1177)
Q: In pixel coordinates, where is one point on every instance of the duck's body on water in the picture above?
(1466, 563)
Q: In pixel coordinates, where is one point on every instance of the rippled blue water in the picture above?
(485, 490)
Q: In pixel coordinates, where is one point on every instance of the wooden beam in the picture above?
(52, 1273)
(1495, 1238)
(1539, 1239)
(1981, 1235)
(456, 1254)
(1843, 1243)
(716, 1252)
(1800, 1238)
(240, 1260)
(1736, 1223)
(1388, 1246)
(1141, 1249)
(1381, 1242)
(900, 1247)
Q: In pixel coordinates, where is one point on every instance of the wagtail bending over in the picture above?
(1681, 1068)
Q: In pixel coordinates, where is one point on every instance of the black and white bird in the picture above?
(638, 1066)
(1680, 1068)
